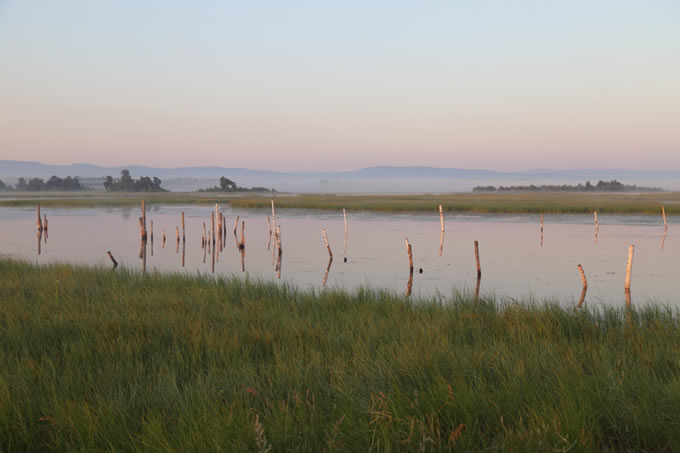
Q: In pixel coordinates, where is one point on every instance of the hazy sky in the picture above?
(323, 85)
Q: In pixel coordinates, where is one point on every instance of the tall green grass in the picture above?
(94, 359)
(549, 203)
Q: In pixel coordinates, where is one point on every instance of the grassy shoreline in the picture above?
(96, 359)
(550, 203)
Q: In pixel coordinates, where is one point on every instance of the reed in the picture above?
(100, 360)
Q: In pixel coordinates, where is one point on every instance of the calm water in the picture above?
(514, 264)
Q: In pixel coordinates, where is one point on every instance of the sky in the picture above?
(340, 85)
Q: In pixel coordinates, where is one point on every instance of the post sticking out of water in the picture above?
(441, 237)
(184, 236)
(585, 286)
(663, 213)
(541, 229)
(151, 231)
(242, 246)
(409, 285)
(162, 238)
(479, 268)
(144, 220)
(325, 239)
(344, 248)
(629, 268)
(45, 224)
(142, 233)
(212, 227)
(269, 223)
(40, 225)
(278, 245)
(328, 269)
(113, 260)
(205, 237)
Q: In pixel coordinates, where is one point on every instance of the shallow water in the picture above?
(514, 263)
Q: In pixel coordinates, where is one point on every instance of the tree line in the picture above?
(127, 184)
(55, 183)
(227, 185)
(601, 186)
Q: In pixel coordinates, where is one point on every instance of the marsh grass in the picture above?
(94, 359)
(549, 203)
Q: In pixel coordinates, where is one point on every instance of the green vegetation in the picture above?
(53, 184)
(494, 203)
(498, 203)
(95, 359)
(227, 185)
(601, 186)
(127, 184)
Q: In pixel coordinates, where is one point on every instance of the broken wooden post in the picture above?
(585, 286)
(40, 225)
(325, 239)
(409, 285)
(113, 260)
(629, 267)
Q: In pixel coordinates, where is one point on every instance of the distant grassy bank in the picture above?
(95, 359)
(549, 203)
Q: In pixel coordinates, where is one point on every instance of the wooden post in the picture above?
(663, 213)
(40, 225)
(597, 226)
(344, 248)
(328, 269)
(278, 245)
(113, 260)
(184, 236)
(585, 286)
(325, 239)
(409, 285)
(273, 216)
(162, 238)
(441, 237)
(177, 234)
(151, 231)
(242, 246)
(629, 268)
(205, 236)
(479, 268)
(144, 219)
(142, 233)
(541, 229)
(45, 224)
(184, 249)
(269, 223)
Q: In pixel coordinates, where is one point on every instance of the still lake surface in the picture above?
(515, 265)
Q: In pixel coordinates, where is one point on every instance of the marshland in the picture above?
(334, 356)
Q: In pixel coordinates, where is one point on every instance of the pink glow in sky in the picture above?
(309, 86)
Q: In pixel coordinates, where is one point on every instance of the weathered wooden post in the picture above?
(663, 213)
(409, 285)
(328, 269)
(479, 270)
(441, 237)
(142, 233)
(184, 235)
(629, 268)
(344, 248)
(40, 225)
(325, 239)
(585, 286)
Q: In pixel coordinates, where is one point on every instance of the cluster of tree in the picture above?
(127, 184)
(227, 185)
(601, 186)
(55, 183)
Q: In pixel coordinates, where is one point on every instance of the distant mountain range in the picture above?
(380, 179)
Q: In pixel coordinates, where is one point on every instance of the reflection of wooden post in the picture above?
(278, 245)
(177, 234)
(162, 238)
(328, 269)
(184, 236)
(273, 217)
(242, 245)
(629, 267)
(142, 254)
(344, 248)
(45, 224)
(325, 239)
(409, 285)
(541, 229)
(205, 237)
(39, 235)
(184, 249)
(212, 227)
(113, 260)
(585, 286)
(142, 233)
(663, 239)
(40, 226)
(151, 231)
(269, 223)
(663, 212)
